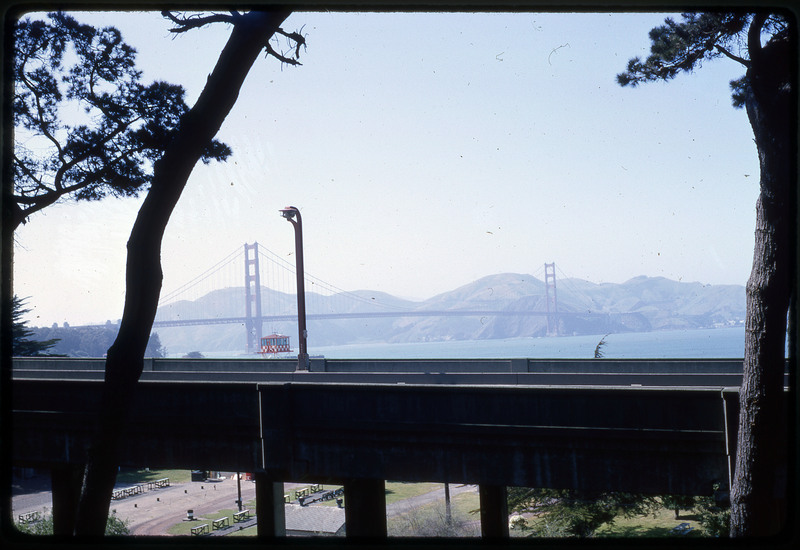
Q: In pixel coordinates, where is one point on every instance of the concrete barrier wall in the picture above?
(520, 365)
(659, 372)
(665, 366)
(716, 380)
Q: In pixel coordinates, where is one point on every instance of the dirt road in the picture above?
(154, 517)
(158, 510)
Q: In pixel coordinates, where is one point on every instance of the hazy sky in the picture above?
(428, 150)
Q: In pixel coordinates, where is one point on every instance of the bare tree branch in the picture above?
(298, 39)
(41, 115)
(186, 23)
(279, 56)
(729, 55)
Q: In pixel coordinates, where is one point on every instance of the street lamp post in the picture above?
(293, 215)
(239, 488)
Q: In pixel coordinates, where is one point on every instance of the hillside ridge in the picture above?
(639, 304)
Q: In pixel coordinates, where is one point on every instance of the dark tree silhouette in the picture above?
(252, 33)
(22, 343)
(765, 44)
(85, 126)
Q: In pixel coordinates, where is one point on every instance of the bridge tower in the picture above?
(551, 299)
(252, 285)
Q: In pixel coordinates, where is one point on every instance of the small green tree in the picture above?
(44, 526)
(714, 514)
(598, 350)
(22, 345)
(154, 347)
(89, 341)
(678, 503)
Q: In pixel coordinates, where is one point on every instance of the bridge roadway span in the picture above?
(375, 314)
(639, 426)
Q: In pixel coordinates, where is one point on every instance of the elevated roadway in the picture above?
(649, 427)
(716, 373)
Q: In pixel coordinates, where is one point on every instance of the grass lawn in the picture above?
(185, 527)
(462, 504)
(429, 518)
(463, 507)
(130, 476)
(659, 526)
(251, 531)
(396, 490)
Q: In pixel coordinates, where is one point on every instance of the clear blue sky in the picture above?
(428, 150)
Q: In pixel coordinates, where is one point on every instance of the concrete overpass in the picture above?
(641, 426)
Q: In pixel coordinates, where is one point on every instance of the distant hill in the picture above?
(640, 304)
(666, 304)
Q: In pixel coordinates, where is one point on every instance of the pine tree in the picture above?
(572, 513)
(116, 127)
(22, 345)
(765, 45)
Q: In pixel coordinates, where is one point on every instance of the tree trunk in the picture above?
(124, 362)
(759, 491)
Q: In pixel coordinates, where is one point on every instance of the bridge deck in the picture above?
(378, 314)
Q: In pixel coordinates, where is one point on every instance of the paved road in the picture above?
(31, 495)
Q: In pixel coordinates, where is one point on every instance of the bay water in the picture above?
(719, 343)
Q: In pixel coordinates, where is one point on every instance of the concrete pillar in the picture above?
(270, 513)
(494, 511)
(365, 508)
(65, 483)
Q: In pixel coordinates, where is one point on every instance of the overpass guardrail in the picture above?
(606, 372)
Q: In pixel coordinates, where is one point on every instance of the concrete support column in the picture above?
(365, 508)
(65, 482)
(494, 511)
(270, 513)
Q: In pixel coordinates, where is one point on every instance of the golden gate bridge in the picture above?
(268, 295)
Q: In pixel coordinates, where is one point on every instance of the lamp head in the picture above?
(289, 212)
